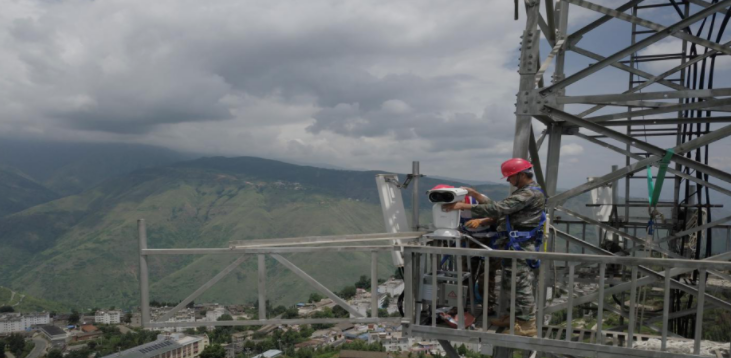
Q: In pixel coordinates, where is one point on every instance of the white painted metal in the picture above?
(392, 206)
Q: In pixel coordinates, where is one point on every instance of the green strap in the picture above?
(653, 192)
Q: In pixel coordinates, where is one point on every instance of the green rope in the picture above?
(653, 191)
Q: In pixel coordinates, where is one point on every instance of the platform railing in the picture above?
(423, 261)
(274, 249)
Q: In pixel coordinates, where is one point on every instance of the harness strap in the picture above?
(515, 238)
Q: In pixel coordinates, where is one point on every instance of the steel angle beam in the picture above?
(266, 250)
(203, 288)
(317, 285)
(693, 230)
(528, 68)
(646, 244)
(611, 177)
(309, 240)
(707, 4)
(535, 159)
(652, 277)
(709, 105)
(266, 322)
(654, 105)
(576, 36)
(623, 67)
(571, 349)
(655, 164)
(635, 47)
(650, 25)
(639, 165)
(551, 25)
(659, 77)
(666, 121)
(547, 62)
(544, 27)
(678, 158)
(646, 96)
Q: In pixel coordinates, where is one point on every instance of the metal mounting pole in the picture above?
(144, 274)
(415, 195)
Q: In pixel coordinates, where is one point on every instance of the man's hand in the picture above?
(471, 192)
(481, 198)
(475, 223)
(456, 206)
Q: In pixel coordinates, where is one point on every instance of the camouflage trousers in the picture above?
(525, 304)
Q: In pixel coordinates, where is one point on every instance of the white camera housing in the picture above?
(446, 223)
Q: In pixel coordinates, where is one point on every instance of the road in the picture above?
(40, 348)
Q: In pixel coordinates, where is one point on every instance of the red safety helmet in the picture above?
(514, 166)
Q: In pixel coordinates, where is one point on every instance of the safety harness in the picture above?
(515, 238)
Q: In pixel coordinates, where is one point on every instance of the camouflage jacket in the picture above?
(524, 206)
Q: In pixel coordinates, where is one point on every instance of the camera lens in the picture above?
(441, 197)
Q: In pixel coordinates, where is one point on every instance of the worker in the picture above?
(521, 217)
(485, 231)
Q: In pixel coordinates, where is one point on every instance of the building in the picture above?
(184, 315)
(174, 345)
(136, 320)
(108, 317)
(272, 353)
(16, 322)
(358, 354)
(86, 332)
(56, 335)
(392, 287)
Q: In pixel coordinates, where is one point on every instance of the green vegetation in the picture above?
(54, 353)
(15, 343)
(27, 348)
(21, 302)
(213, 351)
(81, 250)
(112, 340)
(18, 192)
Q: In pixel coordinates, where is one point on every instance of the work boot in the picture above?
(525, 328)
(503, 321)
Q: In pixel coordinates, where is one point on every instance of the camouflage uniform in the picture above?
(524, 206)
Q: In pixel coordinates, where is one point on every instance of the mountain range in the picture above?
(68, 231)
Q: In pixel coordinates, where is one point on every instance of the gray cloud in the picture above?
(359, 84)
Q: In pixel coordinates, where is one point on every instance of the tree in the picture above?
(382, 312)
(2, 349)
(54, 353)
(291, 312)
(16, 344)
(462, 350)
(91, 345)
(348, 292)
(127, 317)
(74, 317)
(213, 351)
(325, 313)
(363, 282)
(386, 301)
(340, 312)
(6, 309)
(315, 297)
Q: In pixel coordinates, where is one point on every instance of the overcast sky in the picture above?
(354, 84)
